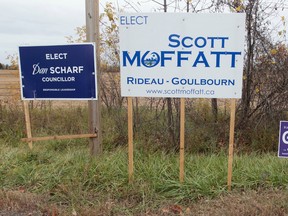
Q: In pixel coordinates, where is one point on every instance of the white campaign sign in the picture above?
(181, 55)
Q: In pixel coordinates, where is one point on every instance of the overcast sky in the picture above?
(41, 22)
(32, 22)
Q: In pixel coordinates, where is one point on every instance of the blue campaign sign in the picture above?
(283, 139)
(58, 72)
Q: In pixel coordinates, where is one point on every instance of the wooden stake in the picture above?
(231, 142)
(28, 123)
(182, 138)
(130, 139)
(92, 31)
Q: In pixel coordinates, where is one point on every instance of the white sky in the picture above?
(30, 22)
(39, 22)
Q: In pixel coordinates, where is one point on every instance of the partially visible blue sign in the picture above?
(283, 139)
(58, 72)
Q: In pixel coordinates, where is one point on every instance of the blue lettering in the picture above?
(146, 81)
(122, 20)
(223, 41)
(136, 57)
(210, 82)
(212, 41)
(171, 39)
(204, 42)
(217, 57)
(175, 41)
(141, 20)
(180, 58)
(163, 57)
(130, 80)
(187, 45)
(201, 59)
(175, 81)
(233, 57)
(151, 59)
(183, 81)
(133, 20)
(231, 82)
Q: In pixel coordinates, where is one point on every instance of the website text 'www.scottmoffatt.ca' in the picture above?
(180, 92)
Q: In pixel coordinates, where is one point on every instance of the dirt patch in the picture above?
(21, 203)
(262, 202)
(267, 202)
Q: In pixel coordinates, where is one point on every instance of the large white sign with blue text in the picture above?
(181, 55)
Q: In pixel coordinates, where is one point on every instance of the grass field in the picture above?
(60, 178)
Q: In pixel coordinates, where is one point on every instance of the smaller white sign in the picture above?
(181, 55)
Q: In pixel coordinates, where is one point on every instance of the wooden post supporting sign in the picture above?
(130, 139)
(231, 142)
(28, 123)
(92, 31)
(182, 138)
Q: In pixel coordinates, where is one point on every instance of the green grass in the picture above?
(62, 172)
(69, 177)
